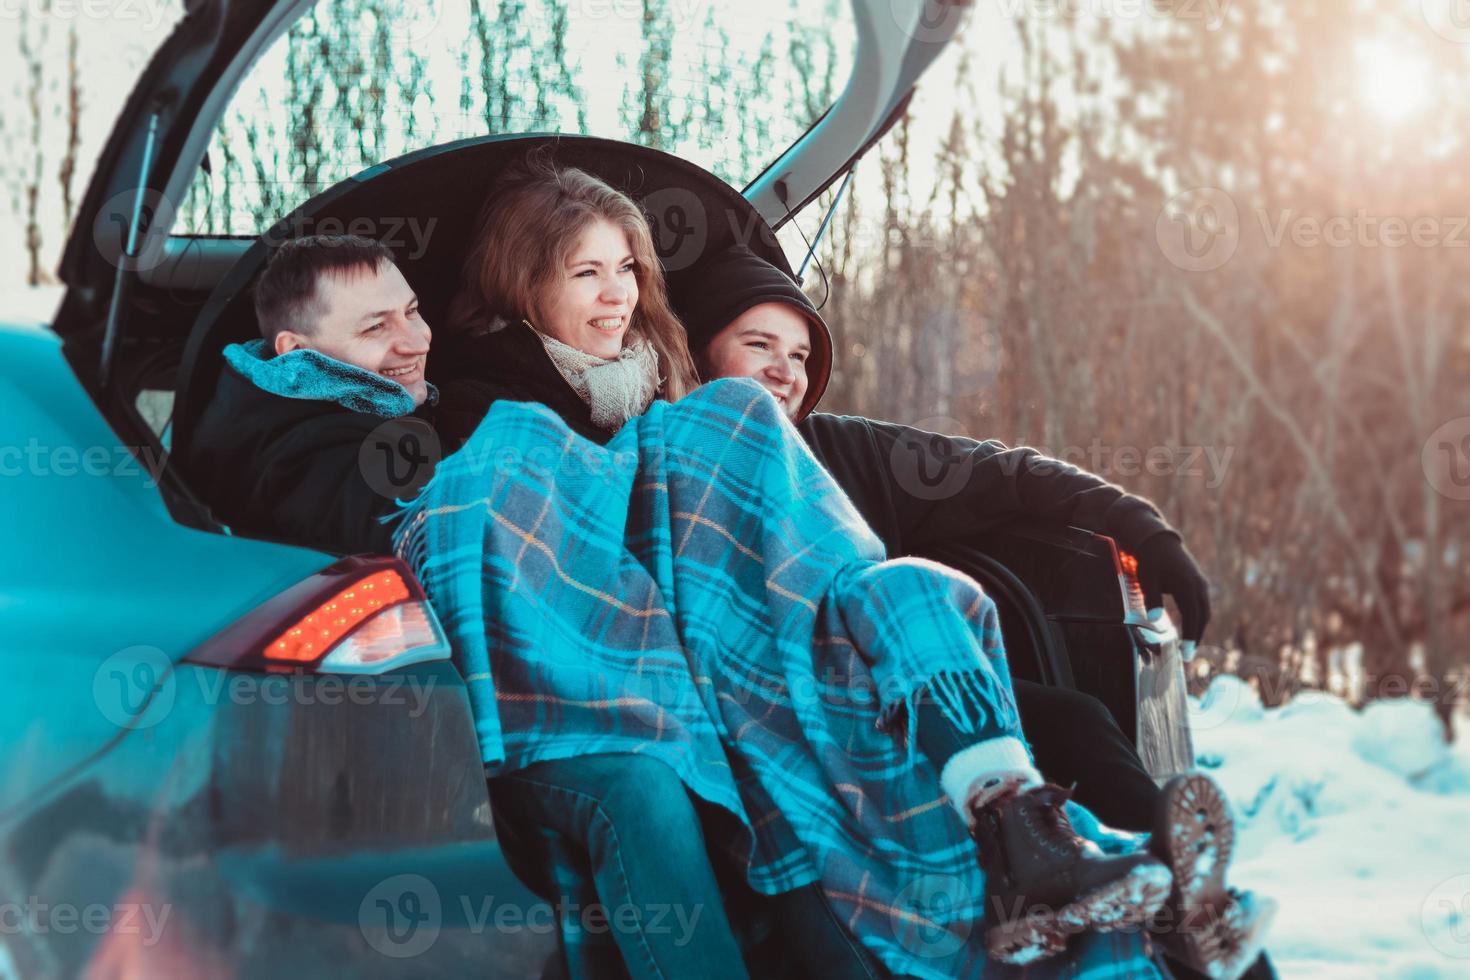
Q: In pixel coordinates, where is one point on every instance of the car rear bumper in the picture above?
(303, 825)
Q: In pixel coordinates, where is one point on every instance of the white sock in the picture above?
(996, 765)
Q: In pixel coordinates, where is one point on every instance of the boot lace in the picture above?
(1047, 821)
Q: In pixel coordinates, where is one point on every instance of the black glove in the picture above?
(1165, 565)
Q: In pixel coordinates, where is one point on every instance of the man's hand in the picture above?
(1166, 566)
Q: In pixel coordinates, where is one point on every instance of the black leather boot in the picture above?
(1044, 883)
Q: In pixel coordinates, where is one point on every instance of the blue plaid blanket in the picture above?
(700, 590)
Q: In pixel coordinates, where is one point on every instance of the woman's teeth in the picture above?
(399, 372)
(611, 323)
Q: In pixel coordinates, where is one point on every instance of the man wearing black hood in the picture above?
(733, 306)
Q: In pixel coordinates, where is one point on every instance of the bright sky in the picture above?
(116, 37)
(603, 47)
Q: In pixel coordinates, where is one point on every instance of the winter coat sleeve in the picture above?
(318, 486)
(919, 489)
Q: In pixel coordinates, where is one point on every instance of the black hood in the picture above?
(716, 291)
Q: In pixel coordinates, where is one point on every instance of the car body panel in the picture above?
(104, 589)
(897, 42)
(252, 823)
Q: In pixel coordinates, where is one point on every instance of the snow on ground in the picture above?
(1358, 823)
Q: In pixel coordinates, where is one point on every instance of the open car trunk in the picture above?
(151, 313)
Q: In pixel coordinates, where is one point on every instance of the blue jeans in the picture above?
(647, 855)
(647, 852)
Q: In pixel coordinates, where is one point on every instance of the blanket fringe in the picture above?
(963, 697)
(410, 543)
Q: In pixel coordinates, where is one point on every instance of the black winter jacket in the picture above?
(294, 470)
(919, 489)
(478, 369)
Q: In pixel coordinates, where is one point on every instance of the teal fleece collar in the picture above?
(313, 376)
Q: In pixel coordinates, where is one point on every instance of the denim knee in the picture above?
(648, 806)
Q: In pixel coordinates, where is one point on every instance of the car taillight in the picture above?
(305, 640)
(362, 615)
(1132, 591)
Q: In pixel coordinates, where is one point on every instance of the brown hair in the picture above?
(530, 224)
(286, 295)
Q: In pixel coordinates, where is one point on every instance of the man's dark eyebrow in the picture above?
(379, 314)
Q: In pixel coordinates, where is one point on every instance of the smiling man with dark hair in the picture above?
(296, 443)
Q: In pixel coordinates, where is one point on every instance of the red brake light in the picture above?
(310, 637)
(1132, 590)
(361, 615)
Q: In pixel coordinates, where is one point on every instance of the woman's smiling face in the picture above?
(589, 303)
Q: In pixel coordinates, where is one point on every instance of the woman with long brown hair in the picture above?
(563, 302)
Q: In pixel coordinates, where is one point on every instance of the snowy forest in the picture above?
(1216, 252)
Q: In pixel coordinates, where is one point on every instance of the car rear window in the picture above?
(356, 82)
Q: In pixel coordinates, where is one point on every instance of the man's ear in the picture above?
(286, 341)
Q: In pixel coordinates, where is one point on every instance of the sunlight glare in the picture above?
(1392, 82)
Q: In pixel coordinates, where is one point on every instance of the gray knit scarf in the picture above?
(616, 390)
